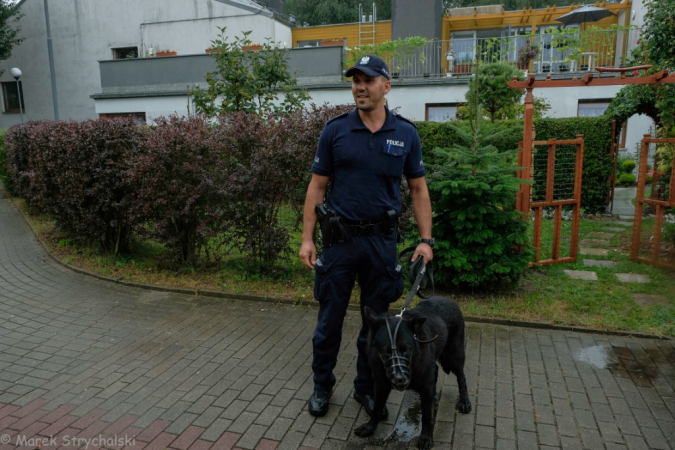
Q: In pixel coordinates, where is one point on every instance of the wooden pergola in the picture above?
(526, 158)
(589, 80)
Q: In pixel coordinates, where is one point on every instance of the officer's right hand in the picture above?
(308, 254)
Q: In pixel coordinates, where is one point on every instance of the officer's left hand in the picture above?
(424, 250)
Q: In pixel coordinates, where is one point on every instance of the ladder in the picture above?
(367, 26)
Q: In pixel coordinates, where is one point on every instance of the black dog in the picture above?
(403, 352)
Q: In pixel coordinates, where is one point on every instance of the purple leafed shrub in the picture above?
(268, 167)
(180, 192)
(77, 172)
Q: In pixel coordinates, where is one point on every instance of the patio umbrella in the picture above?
(584, 14)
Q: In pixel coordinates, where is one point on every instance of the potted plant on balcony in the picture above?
(526, 54)
(252, 47)
(165, 53)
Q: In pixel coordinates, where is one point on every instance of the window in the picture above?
(125, 53)
(10, 97)
(440, 112)
(314, 43)
(139, 117)
(592, 108)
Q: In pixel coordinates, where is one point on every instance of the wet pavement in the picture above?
(85, 362)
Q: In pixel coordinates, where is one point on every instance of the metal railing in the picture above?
(559, 51)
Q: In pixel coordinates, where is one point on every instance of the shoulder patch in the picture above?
(405, 119)
(345, 114)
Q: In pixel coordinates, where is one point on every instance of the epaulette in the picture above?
(337, 117)
(405, 119)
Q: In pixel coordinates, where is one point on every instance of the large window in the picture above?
(125, 53)
(10, 97)
(440, 112)
(592, 108)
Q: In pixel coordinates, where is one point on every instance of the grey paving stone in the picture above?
(632, 278)
(599, 263)
(594, 243)
(593, 251)
(615, 229)
(647, 300)
(600, 235)
(581, 275)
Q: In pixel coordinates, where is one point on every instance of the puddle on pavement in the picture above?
(409, 422)
(621, 362)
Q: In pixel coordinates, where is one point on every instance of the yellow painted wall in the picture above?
(349, 31)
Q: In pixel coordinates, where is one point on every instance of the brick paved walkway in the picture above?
(84, 359)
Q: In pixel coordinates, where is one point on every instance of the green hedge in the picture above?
(597, 133)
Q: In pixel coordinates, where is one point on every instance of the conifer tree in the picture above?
(482, 239)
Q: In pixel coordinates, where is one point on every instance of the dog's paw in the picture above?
(463, 406)
(425, 443)
(365, 430)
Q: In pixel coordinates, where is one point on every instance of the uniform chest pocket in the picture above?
(394, 159)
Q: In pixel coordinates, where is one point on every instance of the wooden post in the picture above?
(639, 201)
(527, 160)
(576, 216)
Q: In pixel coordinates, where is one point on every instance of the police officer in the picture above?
(366, 152)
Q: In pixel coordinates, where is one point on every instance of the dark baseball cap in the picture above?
(371, 65)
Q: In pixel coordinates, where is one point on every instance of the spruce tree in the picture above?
(482, 239)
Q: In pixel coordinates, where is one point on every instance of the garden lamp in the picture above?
(16, 73)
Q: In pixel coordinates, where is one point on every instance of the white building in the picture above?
(84, 32)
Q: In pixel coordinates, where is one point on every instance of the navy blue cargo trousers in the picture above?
(371, 259)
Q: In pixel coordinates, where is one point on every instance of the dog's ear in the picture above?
(417, 323)
(372, 317)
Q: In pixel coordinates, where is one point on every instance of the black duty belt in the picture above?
(368, 228)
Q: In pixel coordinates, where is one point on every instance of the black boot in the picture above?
(368, 403)
(318, 402)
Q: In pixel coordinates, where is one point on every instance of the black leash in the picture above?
(421, 271)
(423, 274)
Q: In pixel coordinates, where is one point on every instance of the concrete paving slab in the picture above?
(624, 224)
(599, 263)
(616, 229)
(622, 217)
(594, 251)
(633, 278)
(599, 235)
(582, 274)
(594, 243)
(622, 204)
(650, 300)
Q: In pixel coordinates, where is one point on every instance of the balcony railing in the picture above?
(558, 52)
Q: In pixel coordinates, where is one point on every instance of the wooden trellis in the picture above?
(556, 199)
(605, 77)
(661, 198)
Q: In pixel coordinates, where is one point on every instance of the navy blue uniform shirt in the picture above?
(367, 167)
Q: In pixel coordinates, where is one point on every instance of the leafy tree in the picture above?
(400, 53)
(325, 12)
(659, 33)
(492, 91)
(248, 80)
(9, 17)
(655, 48)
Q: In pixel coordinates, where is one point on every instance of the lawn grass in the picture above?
(545, 294)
